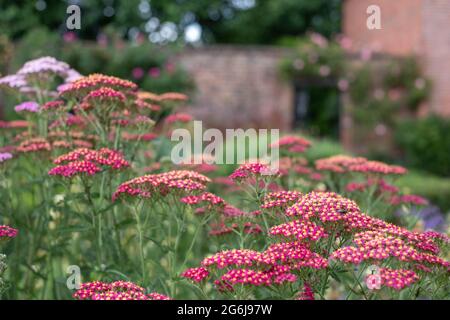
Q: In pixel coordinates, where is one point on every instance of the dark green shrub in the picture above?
(425, 144)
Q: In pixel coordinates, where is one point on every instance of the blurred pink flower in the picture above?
(170, 67)
(137, 73)
(343, 84)
(69, 36)
(154, 72)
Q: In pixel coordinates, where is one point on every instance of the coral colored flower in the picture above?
(292, 144)
(84, 85)
(7, 232)
(178, 117)
(173, 96)
(34, 145)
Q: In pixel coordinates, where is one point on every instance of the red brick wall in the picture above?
(419, 27)
(239, 87)
(436, 38)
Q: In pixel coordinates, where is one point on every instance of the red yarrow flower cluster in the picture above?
(292, 144)
(342, 164)
(196, 274)
(250, 170)
(6, 232)
(397, 279)
(88, 161)
(118, 290)
(162, 184)
(280, 199)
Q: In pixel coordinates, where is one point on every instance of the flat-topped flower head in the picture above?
(13, 82)
(52, 106)
(88, 161)
(397, 279)
(246, 277)
(408, 199)
(300, 230)
(162, 184)
(293, 144)
(338, 163)
(178, 117)
(27, 107)
(327, 206)
(44, 66)
(377, 167)
(84, 85)
(280, 199)
(173, 97)
(196, 274)
(34, 145)
(104, 95)
(206, 197)
(251, 170)
(6, 232)
(118, 290)
(234, 257)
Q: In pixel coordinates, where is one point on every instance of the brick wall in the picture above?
(419, 27)
(239, 87)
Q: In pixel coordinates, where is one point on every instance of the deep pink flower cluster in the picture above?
(220, 229)
(307, 293)
(292, 144)
(7, 232)
(88, 161)
(118, 290)
(375, 245)
(53, 105)
(408, 199)
(300, 230)
(207, 197)
(327, 206)
(251, 170)
(280, 199)
(196, 274)
(397, 279)
(162, 184)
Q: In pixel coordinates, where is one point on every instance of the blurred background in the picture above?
(307, 66)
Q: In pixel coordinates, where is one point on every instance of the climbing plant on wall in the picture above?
(381, 89)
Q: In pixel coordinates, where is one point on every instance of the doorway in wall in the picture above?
(317, 108)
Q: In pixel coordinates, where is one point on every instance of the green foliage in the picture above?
(434, 188)
(222, 21)
(426, 144)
